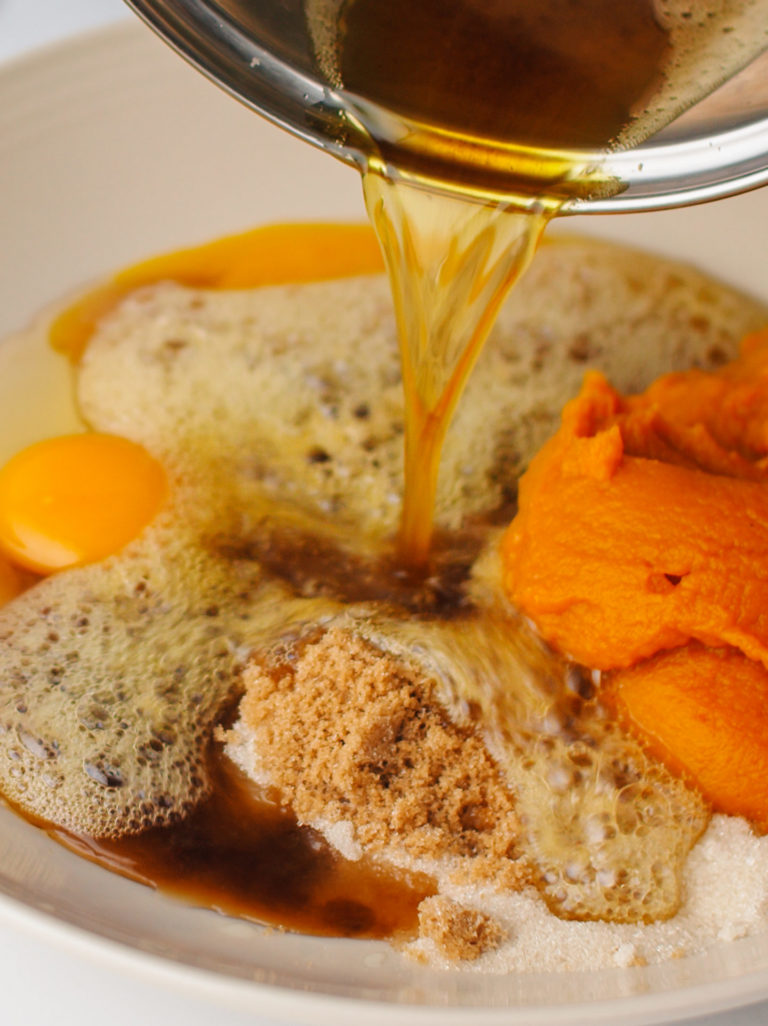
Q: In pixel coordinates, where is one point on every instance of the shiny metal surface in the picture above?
(262, 54)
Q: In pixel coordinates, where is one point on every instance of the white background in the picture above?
(40, 983)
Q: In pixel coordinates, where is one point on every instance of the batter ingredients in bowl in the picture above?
(409, 738)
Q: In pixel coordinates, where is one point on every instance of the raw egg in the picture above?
(75, 499)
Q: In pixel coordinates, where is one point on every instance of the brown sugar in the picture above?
(459, 933)
(347, 733)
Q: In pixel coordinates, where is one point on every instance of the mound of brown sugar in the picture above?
(348, 734)
(459, 933)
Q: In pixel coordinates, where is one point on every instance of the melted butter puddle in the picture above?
(241, 853)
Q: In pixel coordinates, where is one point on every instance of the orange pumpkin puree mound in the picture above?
(702, 712)
(641, 546)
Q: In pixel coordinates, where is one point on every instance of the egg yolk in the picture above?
(10, 582)
(75, 499)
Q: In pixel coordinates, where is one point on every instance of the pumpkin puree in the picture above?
(641, 548)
